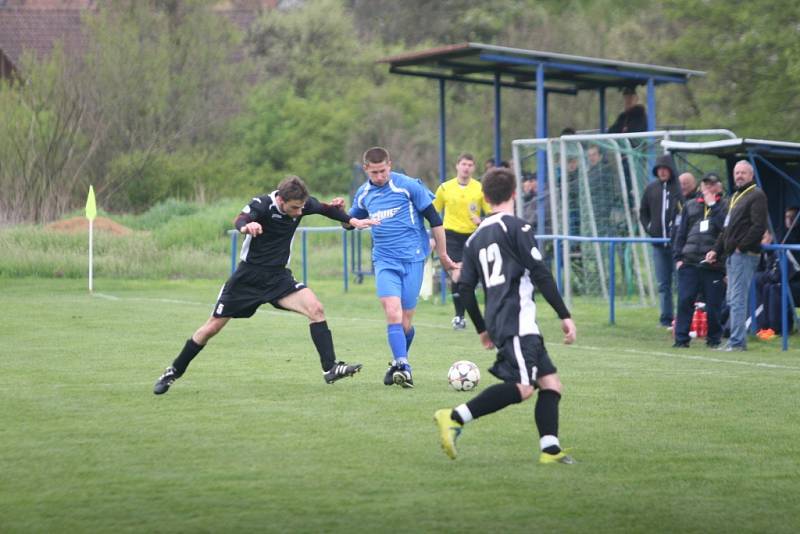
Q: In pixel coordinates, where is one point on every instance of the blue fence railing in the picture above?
(612, 243)
(355, 254)
(786, 294)
(304, 231)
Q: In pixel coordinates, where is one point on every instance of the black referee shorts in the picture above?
(522, 360)
(249, 287)
(455, 244)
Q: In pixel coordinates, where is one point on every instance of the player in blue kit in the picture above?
(400, 246)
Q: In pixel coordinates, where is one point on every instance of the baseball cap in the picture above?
(628, 90)
(711, 177)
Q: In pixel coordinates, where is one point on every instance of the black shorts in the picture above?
(455, 244)
(522, 360)
(249, 287)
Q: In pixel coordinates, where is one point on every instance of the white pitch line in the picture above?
(688, 357)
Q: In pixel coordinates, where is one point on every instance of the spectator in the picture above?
(768, 282)
(529, 190)
(702, 222)
(606, 193)
(661, 200)
(490, 164)
(689, 186)
(740, 243)
(633, 117)
(689, 192)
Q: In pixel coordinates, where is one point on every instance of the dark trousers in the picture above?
(768, 295)
(693, 280)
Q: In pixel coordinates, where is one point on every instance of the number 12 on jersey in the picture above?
(492, 265)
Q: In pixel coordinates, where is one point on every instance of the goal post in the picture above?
(591, 187)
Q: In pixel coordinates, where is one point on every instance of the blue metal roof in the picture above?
(517, 67)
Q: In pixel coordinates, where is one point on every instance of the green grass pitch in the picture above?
(252, 439)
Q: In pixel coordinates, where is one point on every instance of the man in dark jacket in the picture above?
(661, 201)
(701, 223)
(740, 242)
(633, 117)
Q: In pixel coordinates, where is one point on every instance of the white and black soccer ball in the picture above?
(464, 375)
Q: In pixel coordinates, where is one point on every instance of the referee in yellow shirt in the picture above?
(461, 199)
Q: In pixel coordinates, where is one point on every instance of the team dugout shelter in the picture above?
(544, 73)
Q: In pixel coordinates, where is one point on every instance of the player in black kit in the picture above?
(502, 255)
(269, 222)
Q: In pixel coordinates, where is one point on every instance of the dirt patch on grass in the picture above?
(81, 225)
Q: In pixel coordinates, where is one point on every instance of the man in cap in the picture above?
(701, 223)
(633, 117)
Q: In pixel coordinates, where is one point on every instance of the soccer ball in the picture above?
(464, 375)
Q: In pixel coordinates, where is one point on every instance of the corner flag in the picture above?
(91, 213)
(91, 206)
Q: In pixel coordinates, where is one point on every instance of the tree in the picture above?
(751, 51)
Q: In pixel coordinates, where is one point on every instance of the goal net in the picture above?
(589, 186)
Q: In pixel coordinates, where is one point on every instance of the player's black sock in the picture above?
(190, 350)
(457, 302)
(494, 398)
(323, 340)
(546, 413)
(455, 416)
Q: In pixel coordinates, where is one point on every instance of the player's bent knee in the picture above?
(551, 382)
(525, 391)
(316, 312)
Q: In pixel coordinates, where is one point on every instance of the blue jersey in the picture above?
(398, 205)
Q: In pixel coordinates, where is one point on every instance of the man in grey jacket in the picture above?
(661, 201)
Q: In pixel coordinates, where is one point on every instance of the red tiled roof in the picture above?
(37, 30)
(35, 25)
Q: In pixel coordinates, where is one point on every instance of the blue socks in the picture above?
(397, 342)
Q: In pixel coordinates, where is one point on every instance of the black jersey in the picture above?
(502, 255)
(273, 247)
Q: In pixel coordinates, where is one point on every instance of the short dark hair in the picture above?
(376, 154)
(498, 184)
(467, 156)
(292, 188)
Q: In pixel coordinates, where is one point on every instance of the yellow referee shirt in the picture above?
(459, 203)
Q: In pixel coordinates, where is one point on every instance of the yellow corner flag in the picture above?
(91, 206)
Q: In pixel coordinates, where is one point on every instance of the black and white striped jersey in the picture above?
(272, 249)
(503, 257)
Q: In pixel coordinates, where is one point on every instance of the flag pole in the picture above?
(91, 213)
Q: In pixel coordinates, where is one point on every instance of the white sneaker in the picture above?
(459, 323)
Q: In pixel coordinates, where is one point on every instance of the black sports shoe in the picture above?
(340, 370)
(388, 378)
(165, 381)
(680, 345)
(402, 376)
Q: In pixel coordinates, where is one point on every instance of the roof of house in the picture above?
(37, 31)
(36, 25)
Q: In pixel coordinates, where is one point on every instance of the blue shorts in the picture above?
(399, 279)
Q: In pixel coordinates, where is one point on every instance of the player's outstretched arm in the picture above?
(360, 224)
(247, 226)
